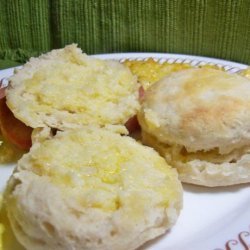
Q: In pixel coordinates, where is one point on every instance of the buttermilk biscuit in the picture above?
(66, 88)
(199, 120)
(91, 189)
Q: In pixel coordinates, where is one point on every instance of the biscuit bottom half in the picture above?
(91, 188)
(206, 168)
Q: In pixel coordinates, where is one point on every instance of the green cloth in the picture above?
(214, 28)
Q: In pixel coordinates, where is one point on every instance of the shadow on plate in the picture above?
(152, 243)
(200, 189)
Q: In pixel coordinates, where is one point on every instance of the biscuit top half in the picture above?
(65, 88)
(200, 109)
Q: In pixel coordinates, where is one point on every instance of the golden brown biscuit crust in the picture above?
(201, 109)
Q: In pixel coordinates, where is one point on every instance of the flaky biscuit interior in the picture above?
(65, 88)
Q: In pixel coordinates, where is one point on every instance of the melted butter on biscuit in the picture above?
(99, 168)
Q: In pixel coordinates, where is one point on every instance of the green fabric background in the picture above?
(215, 28)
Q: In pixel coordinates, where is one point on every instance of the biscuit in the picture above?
(67, 89)
(91, 189)
(201, 112)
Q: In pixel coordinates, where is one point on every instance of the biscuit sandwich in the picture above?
(109, 193)
(199, 121)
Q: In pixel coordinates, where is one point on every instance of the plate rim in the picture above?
(158, 56)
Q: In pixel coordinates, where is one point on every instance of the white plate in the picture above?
(212, 218)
